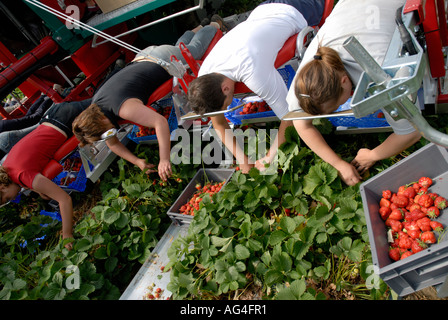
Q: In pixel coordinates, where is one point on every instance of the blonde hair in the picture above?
(89, 125)
(319, 81)
(4, 177)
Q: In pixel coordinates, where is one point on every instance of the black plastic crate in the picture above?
(425, 268)
(213, 175)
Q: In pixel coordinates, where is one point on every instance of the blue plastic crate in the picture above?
(172, 123)
(79, 184)
(373, 120)
(55, 215)
(235, 117)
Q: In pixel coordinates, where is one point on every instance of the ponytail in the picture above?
(319, 81)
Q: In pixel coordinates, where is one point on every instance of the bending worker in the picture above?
(247, 54)
(328, 73)
(124, 97)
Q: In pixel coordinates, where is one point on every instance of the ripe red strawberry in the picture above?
(395, 254)
(424, 224)
(400, 200)
(385, 212)
(410, 192)
(385, 202)
(433, 212)
(422, 190)
(406, 254)
(428, 237)
(397, 214)
(414, 234)
(425, 201)
(405, 242)
(395, 225)
(440, 202)
(425, 182)
(414, 215)
(436, 226)
(387, 194)
(418, 245)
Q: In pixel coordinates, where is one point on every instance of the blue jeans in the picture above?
(9, 138)
(197, 43)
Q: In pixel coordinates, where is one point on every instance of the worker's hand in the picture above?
(146, 167)
(260, 164)
(68, 246)
(348, 173)
(245, 167)
(363, 160)
(164, 169)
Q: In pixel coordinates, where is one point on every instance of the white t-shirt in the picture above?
(372, 22)
(247, 53)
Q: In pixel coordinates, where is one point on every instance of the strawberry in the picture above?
(396, 214)
(414, 215)
(433, 212)
(428, 237)
(387, 194)
(414, 234)
(405, 242)
(395, 225)
(425, 182)
(416, 186)
(424, 224)
(395, 254)
(425, 201)
(410, 192)
(400, 200)
(440, 202)
(436, 226)
(406, 254)
(433, 195)
(422, 190)
(385, 202)
(418, 245)
(385, 212)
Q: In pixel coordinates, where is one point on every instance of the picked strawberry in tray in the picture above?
(410, 214)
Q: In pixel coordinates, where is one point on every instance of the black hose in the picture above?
(404, 33)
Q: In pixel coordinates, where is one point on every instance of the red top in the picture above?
(32, 153)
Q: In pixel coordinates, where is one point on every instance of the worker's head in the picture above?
(323, 84)
(8, 189)
(90, 124)
(209, 93)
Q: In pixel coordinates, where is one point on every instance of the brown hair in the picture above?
(89, 125)
(205, 93)
(4, 177)
(319, 81)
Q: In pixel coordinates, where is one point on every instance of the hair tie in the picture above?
(317, 57)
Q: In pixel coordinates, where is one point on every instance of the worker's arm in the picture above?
(122, 151)
(47, 188)
(278, 141)
(393, 145)
(315, 141)
(227, 137)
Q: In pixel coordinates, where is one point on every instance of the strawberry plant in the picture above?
(243, 236)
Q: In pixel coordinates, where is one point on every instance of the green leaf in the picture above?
(282, 262)
(83, 245)
(276, 237)
(288, 225)
(110, 215)
(111, 264)
(241, 252)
